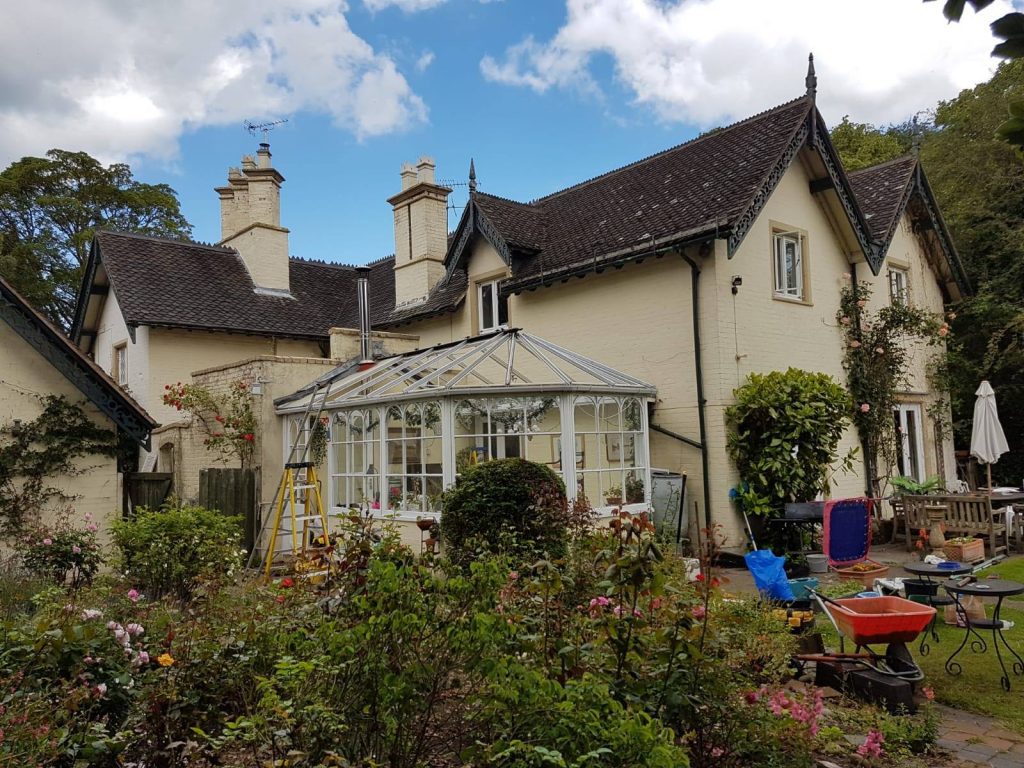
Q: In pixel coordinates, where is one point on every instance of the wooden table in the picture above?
(1000, 500)
(999, 589)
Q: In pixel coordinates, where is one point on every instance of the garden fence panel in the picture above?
(234, 492)
(146, 489)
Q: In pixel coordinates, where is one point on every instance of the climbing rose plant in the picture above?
(227, 419)
(879, 348)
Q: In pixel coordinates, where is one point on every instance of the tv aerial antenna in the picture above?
(264, 128)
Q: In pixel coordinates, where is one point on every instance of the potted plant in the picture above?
(613, 495)
(634, 490)
(908, 486)
(964, 549)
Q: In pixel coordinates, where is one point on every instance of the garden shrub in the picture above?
(785, 429)
(62, 553)
(171, 550)
(507, 505)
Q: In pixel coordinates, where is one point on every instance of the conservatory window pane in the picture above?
(354, 446)
(585, 418)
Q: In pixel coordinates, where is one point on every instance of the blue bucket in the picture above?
(800, 587)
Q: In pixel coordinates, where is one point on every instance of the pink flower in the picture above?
(133, 595)
(101, 689)
(77, 550)
(879, 351)
(845, 320)
(47, 542)
(513, 575)
(655, 603)
(944, 331)
(92, 527)
(855, 344)
(752, 697)
(929, 693)
(134, 629)
(91, 613)
(699, 612)
(141, 659)
(717, 751)
(865, 407)
(121, 636)
(862, 303)
(87, 516)
(112, 625)
(872, 746)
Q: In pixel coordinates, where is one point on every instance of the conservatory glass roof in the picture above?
(508, 360)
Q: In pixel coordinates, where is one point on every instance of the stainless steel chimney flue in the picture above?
(363, 296)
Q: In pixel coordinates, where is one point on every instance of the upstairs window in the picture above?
(789, 265)
(898, 292)
(120, 365)
(493, 306)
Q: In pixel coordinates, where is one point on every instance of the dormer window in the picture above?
(493, 307)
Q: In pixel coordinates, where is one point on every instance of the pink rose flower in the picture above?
(135, 629)
(133, 595)
(101, 689)
(698, 612)
(855, 344)
(77, 550)
(865, 407)
(47, 542)
(844, 320)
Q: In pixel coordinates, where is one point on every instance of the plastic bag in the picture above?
(769, 575)
(972, 606)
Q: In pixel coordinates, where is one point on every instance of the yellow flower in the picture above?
(165, 659)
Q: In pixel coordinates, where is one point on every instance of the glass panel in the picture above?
(585, 411)
(912, 444)
(486, 306)
(502, 310)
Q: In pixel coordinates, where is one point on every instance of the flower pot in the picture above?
(936, 516)
(817, 563)
(613, 501)
(972, 552)
(425, 523)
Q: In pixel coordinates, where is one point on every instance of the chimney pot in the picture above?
(263, 155)
(425, 170)
(408, 174)
(248, 162)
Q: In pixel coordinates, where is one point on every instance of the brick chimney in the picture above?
(421, 232)
(250, 221)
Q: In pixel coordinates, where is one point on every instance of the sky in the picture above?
(541, 94)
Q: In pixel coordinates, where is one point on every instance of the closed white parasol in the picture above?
(988, 442)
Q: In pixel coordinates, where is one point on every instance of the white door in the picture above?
(910, 434)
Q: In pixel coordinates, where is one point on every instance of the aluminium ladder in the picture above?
(299, 479)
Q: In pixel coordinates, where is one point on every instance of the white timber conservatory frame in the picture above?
(401, 429)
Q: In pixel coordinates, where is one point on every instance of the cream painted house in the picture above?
(38, 360)
(682, 273)
(688, 270)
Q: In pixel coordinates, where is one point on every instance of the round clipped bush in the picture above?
(170, 551)
(509, 506)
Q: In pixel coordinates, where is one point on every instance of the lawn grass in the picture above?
(1012, 568)
(977, 688)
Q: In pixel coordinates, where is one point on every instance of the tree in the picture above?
(861, 145)
(51, 206)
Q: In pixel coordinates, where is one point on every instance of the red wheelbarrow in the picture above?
(868, 621)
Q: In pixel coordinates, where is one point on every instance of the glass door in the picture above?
(910, 438)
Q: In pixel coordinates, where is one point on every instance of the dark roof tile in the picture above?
(880, 192)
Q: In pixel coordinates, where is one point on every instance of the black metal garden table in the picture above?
(999, 589)
(928, 570)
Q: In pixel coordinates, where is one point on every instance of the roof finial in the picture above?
(811, 81)
(472, 176)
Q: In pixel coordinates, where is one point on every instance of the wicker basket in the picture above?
(972, 552)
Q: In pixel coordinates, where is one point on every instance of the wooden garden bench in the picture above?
(967, 514)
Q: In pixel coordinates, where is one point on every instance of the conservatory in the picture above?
(401, 430)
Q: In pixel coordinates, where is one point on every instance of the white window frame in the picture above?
(899, 286)
(911, 454)
(494, 321)
(119, 363)
(782, 289)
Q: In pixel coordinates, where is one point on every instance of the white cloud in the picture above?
(119, 79)
(409, 6)
(424, 61)
(707, 61)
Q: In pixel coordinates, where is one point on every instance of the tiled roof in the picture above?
(704, 184)
(81, 371)
(881, 191)
(180, 284)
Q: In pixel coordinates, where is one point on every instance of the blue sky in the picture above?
(542, 93)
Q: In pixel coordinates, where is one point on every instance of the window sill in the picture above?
(398, 516)
(793, 299)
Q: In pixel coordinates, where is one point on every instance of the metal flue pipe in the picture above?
(363, 296)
